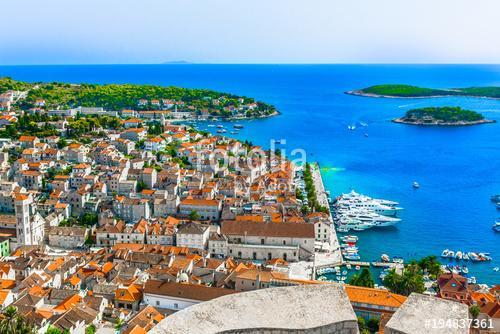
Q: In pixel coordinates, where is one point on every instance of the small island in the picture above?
(408, 91)
(442, 116)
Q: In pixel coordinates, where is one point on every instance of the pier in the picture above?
(334, 257)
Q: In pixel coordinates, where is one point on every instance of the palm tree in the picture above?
(13, 323)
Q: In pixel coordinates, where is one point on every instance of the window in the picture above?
(176, 306)
(157, 303)
(261, 241)
(284, 242)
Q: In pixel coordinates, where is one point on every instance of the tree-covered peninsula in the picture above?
(444, 116)
(408, 91)
(56, 95)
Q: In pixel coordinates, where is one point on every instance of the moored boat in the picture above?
(496, 226)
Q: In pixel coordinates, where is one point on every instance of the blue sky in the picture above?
(256, 31)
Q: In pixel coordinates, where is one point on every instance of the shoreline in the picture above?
(358, 92)
(446, 124)
(225, 119)
(321, 195)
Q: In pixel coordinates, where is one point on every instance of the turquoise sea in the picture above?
(458, 168)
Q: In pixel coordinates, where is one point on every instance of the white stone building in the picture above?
(193, 235)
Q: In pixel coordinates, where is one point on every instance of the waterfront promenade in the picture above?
(334, 257)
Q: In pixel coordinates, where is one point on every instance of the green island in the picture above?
(56, 95)
(442, 116)
(408, 91)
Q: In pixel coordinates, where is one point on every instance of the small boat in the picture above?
(366, 134)
(344, 272)
(363, 124)
(416, 185)
(495, 198)
(358, 267)
(348, 266)
(351, 127)
(397, 259)
(465, 256)
(211, 125)
(484, 256)
(458, 255)
(496, 226)
(238, 126)
(220, 126)
(465, 270)
(496, 269)
(451, 253)
(473, 256)
(234, 132)
(472, 280)
(350, 238)
(445, 253)
(221, 131)
(385, 258)
(353, 257)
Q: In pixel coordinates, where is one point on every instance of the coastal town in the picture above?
(115, 221)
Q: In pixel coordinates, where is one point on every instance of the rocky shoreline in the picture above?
(403, 120)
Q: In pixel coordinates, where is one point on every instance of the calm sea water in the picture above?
(458, 168)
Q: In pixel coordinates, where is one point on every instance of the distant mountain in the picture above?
(177, 62)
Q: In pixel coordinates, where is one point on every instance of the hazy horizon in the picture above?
(59, 32)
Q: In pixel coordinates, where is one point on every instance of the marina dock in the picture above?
(334, 257)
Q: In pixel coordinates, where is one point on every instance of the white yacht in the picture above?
(380, 206)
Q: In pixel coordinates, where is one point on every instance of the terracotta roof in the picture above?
(146, 319)
(200, 202)
(371, 296)
(291, 230)
(183, 290)
(129, 294)
(68, 303)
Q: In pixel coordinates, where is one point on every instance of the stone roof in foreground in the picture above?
(298, 309)
(422, 314)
